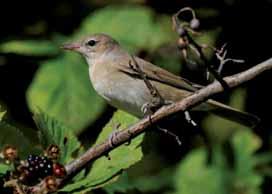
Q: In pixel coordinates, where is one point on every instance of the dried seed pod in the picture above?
(53, 152)
(51, 183)
(24, 175)
(10, 153)
(182, 43)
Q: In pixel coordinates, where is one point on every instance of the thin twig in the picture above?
(206, 63)
(221, 55)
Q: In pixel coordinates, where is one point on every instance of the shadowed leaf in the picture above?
(54, 132)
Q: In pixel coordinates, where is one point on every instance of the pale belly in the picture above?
(129, 95)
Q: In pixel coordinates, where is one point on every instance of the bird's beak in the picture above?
(71, 46)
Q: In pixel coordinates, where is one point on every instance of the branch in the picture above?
(182, 105)
(127, 134)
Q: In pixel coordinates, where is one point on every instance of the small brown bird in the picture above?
(114, 79)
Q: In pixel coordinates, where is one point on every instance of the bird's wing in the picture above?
(158, 74)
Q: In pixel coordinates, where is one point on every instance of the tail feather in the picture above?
(233, 114)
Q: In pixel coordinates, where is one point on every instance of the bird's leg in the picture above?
(157, 100)
(147, 109)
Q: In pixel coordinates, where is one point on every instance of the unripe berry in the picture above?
(59, 170)
(181, 31)
(194, 23)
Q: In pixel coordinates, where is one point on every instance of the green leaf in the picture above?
(10, 136)
(104, 170)
(62, 89)
(195, 177)
(2, 114)
(134, 27)
(245, 144)
(54, 132)
(29, 47)
(4, 168)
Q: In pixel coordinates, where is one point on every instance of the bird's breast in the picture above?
(121, 90)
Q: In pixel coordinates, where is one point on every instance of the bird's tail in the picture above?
(233, 114)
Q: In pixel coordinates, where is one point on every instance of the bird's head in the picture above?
(92, 47)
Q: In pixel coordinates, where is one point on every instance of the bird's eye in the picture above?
(91, 42)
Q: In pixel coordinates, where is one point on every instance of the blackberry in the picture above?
(38, 167)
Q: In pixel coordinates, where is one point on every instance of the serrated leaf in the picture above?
(104, 170)
(62, 89)
(10, 136)
(146, 31)
(29, 47)
(54, 132)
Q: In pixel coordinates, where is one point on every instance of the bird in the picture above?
(113, 78)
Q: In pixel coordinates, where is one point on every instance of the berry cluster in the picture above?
(39, 167)
(34, 169)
